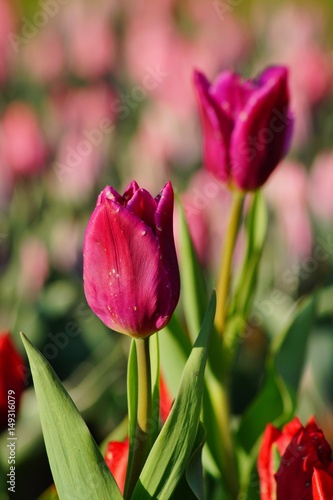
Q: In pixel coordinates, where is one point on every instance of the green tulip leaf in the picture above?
(175, 348)
(289, 351)
(78, 468)
(191, 485)
(173, 448)
(194, 291)
(155, 381)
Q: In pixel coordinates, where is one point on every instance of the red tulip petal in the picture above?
(265, 463)
(116, 458)
(288, 432)
(12, 370)
(165, 400)
(322, 485)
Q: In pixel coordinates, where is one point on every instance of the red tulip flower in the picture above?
(246, 125)
(11, 377)
(116, 458)
(306, 466)
(130, 268)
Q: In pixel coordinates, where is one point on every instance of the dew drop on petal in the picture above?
(109, 195)
(143, 233)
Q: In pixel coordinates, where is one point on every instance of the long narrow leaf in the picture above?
(194, 291)
(289, 351)
(155, 382)
(78, 468)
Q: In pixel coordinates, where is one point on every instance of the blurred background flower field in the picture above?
(100, 93)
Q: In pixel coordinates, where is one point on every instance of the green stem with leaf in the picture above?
(142, 440)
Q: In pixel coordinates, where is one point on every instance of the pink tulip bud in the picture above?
(246, 125)
(131, 276)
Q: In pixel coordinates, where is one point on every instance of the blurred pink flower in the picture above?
(22, 141)
(65, 244)
(286, 191)
(76, 168)
(159, 142)
(34, 266)
(84, 121)
(84, 106)
(321, 186)
(44, 55)
(90, 43)
(169, 52)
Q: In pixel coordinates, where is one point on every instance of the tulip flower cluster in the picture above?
(132, 284)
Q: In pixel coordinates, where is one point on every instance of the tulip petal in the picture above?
(116, 458)
(265, 463)
(231, 94)
(12, 371)
(125, 280)
(143, 205)
(164, 234)
(322, 485)
(217, 127)
(262, 130)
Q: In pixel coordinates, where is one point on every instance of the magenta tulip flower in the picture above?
(246, 125)
(130, 268)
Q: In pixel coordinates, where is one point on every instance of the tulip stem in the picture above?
(143, 426)
(223, 283)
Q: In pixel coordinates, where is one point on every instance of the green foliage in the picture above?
(173, 448)
(78, 468)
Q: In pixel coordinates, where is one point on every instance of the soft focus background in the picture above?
(100, 92)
